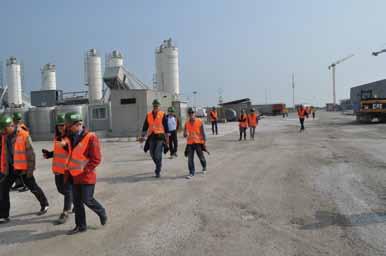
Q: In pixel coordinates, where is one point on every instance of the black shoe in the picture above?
(43, 210)
(4, 220)
(103, 220)
(76, 230)
(23, 189)
(157, 175)
(62, 219)
(175, 154)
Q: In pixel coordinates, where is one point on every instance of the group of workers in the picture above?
(248, 120)
(75, 155)
(303, 113)
(160, 131)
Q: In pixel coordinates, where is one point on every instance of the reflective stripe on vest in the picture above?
(252, 120)
(243, 124)
(155, 125)
(213, 116)
(77, 160)
(194, 132)
(20, 161)
(60, 158)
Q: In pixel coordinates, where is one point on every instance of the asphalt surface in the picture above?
(320, 192)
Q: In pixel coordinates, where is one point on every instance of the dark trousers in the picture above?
(198, 149)
(156, 150)
(84, 195)
(65, 189)
(243, 131)
(301, 123)
(214, 127)
(313, 115)
(5, 186)
(173, 142)
(252, 132)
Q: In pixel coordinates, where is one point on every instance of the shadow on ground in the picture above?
(325, 219)
(140, 177)
(24, 236)
(29, 221)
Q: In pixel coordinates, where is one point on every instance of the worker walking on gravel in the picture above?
(17, 119)
(194, 132)
(155, 128)
(59, 160)
(252, 123)
(302, 113)
(84, 153)
(313, 111)
(17, 158)
(173, 126)
(243, 125)
(213, 120)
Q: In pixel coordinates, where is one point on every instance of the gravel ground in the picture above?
(320, 192)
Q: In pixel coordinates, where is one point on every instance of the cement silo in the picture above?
(114, 59)
(48, 77)
(167, 71)
(13, 74)
(93, 75)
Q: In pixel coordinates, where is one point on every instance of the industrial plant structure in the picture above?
(116, 110)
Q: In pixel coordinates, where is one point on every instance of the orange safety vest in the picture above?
(213, 116)
(77, 159)
(155, 125)
(59, 161)
(19, 152)
(243, 124)
(194, 132)
(252, 120)
(301, 113)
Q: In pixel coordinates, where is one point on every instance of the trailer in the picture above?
(270, 109)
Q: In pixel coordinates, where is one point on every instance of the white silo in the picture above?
(114, 59)
(158, 68)
(49, 77)
(93, 75)
(167, 73)
(14, 82)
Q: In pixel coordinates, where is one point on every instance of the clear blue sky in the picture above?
(245, 47)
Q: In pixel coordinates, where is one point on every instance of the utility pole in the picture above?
(293, 90)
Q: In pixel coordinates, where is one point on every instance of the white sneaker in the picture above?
(189, 176)
(204, 171)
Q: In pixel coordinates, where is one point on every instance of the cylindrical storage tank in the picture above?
(49, 77)
(82, 109)
(168, 71)
(13, 74)
(94, 76)
(115, 59)
(41, 123)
